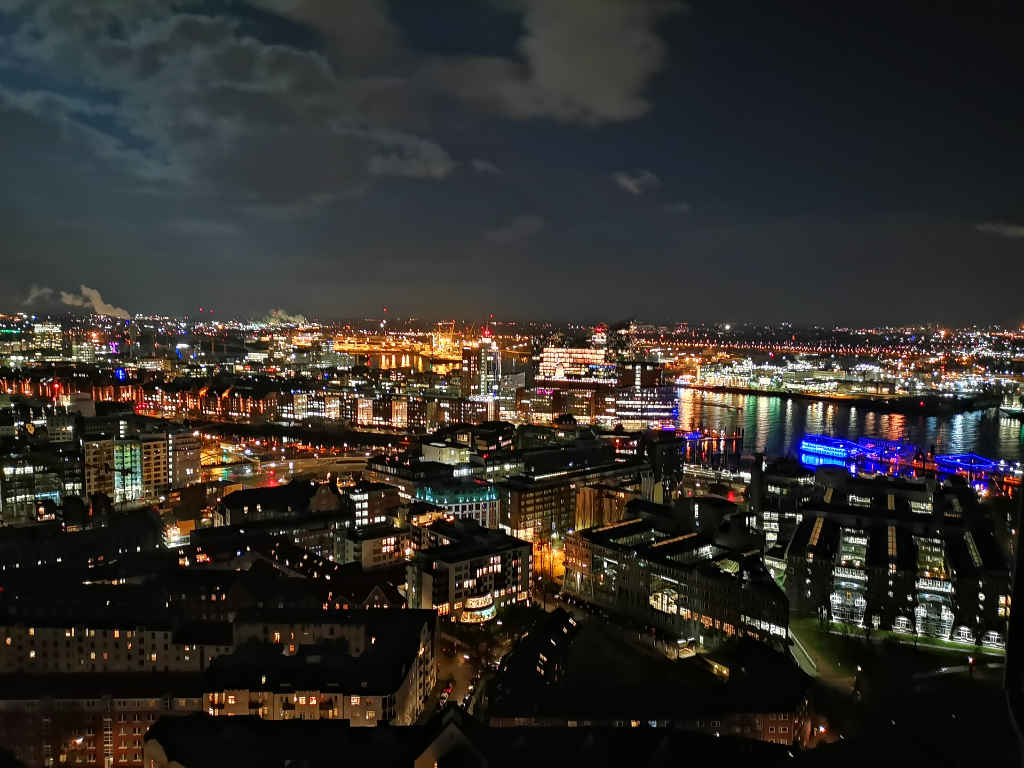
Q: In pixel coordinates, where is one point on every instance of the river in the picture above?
(774, 425)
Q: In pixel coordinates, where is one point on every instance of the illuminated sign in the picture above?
(474, 603)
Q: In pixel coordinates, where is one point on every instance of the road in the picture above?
(450, 669)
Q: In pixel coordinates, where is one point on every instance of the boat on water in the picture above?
(1012, 406)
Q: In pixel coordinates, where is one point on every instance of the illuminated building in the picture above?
(364, 411)
(99, 467)
(183, 458)
(83, 352)
(646, 407)
(481, 367)
(86, 720)
(47, 337)
(600, 504)
(582, 364)
(155, 467)
(542, 405)
(373, 503)
(406, 476)
(909, 561)
(535, 405)
(691, 584)
(540, 506)
(60, 647)
(26, 479)
(60, 428)
(127, 470)
(446, 454)
(137, 468)
(382, 675)
(510, 383)
(399, 413)
(785, 486)
(639, 374)
(372, 546)
(474, 499)
(466, 572)
(537, 509)
(490, 366)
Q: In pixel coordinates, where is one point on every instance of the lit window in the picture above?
(355, 701)
(231, 698)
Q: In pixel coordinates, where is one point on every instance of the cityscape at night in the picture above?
(510, 382)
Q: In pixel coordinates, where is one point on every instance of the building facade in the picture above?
(684, 583)
(467, 573)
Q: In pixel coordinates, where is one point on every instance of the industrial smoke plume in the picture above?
(281, 316)
(86, 297)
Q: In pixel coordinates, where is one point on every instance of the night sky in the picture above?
(557, 159)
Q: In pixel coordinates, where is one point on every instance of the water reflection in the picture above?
(409, 361)
(774, 425)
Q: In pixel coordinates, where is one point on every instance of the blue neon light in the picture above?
(966, 462)
(815, 460)
(835, 447)
(120, 374)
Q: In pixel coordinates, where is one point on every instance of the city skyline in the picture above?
(510, 382)
(742, 162)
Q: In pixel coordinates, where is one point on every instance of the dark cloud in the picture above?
(235, 116)
(586, 61)
(254, 153)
